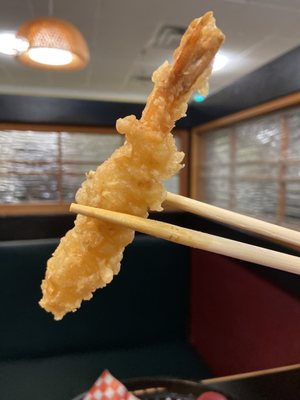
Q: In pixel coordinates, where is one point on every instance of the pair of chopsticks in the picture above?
(204, 241)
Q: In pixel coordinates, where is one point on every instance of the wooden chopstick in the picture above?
(199, 240)
(274, 232)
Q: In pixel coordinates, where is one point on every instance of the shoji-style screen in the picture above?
(39, 167)
(252, 167)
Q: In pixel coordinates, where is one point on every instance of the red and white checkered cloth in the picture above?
(107, 387)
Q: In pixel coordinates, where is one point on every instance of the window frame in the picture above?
(265, 109)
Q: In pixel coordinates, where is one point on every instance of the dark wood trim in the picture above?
(252, 112)
(58, 128)
(197, 156)
(185, 171)
(34, 209)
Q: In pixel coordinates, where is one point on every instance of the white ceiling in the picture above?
(120, 35)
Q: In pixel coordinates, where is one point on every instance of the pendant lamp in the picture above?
(53, 44)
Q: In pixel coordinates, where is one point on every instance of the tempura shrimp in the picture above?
(130, 181)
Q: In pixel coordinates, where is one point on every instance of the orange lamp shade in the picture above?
(53, 44)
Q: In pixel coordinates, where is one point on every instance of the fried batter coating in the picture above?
(130, 181)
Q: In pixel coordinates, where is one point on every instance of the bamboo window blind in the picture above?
(252, 167)
(47, 166)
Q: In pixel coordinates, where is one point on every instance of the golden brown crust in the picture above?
(190, 71)
(131, 180)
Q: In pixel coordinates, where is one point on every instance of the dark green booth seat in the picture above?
(137, 326)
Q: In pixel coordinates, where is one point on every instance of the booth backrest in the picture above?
(255, 310)
(146, 303)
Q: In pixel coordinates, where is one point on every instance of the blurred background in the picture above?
(68, 70)
(129, 40)
(117, 48)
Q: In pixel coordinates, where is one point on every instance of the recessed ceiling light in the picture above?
(219, 62)
(11, 45)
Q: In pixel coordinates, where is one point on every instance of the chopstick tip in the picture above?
(72, 207)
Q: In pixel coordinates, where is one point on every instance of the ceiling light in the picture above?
(12, 45)
(219, 62)
(48, 56)
(53, 44)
